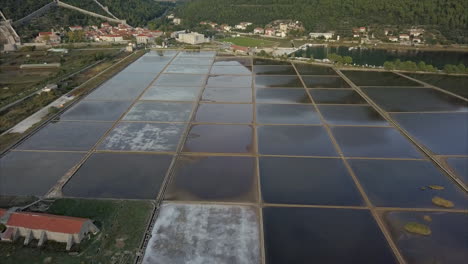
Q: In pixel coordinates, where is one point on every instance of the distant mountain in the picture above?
(330, 14)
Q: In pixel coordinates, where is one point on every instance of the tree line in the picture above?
(422, 66)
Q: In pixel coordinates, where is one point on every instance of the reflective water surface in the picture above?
(445, 244)
(213, 179)
(133, 176)
(34, 173)
(442, 133)
(375, 78)
(352, 115)
(224, 113)
(96, 110)
(294, 140)
(264, 81)
(299, 235)
(405, 183)
(415, 100)
(336, 96)
(285, 96)
(219, 139)
(159, 111)
(383, 142)
(287, 114)
(307, 181)
(77, 136)
(324, 82)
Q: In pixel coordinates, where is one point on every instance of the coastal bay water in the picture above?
(377, 57)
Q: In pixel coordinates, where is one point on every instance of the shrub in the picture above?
(2, 228)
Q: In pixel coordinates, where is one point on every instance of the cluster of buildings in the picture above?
(104, 33)
(277, 28)
(43, 227)
(414, 35)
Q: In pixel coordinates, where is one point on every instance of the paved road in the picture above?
(24, 125)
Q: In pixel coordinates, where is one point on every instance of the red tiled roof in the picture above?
(235, 47)
(52, 223)
(2, 212)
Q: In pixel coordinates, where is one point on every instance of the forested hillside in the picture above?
(330, 14)
(136, 12)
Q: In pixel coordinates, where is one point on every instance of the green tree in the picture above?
(388, 65)
(347, 60)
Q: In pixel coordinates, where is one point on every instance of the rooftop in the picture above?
(39, 221)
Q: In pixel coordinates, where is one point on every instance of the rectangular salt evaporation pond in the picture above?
(324, 82)
(282, 96)
(188, 69)
(96, 110)
(229, 81)
(336, 96)
(355, 115)
(227, 95)
(257, 61)
(264, 81)
(70, 136)
(445, 244)
(232, 61)
(274, 70)
(181, 80)
(231, 70)
(204, 234)
(172, 93)
(124, 86)
(224, 113)
(121, 176)
(295, 141)
(376, 142)
(442, 133)
(307, 69)
(376, 78)
(220, 139)
(149, 64)
(309, 181)
(454, 84)
(199, 178)
(192, 61)
(197, 54)
(149, 137)
(324, 235)
(406, 183)
(287, 114)
(159, 112)
(34, 173)
(415, 100)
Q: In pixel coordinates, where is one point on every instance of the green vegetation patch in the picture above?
(249, 42)
(122, 226)
(417, 228)
(442, 202)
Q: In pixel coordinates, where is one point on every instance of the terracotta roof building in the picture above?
(43, 227)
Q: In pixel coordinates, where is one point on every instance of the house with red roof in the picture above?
(240, 49)
(43, 227)
(48, 37)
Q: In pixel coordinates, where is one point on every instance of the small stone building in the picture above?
(43, 227)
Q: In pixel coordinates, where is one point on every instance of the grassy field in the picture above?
(122, 225)
(16, 83)
(250, 42)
